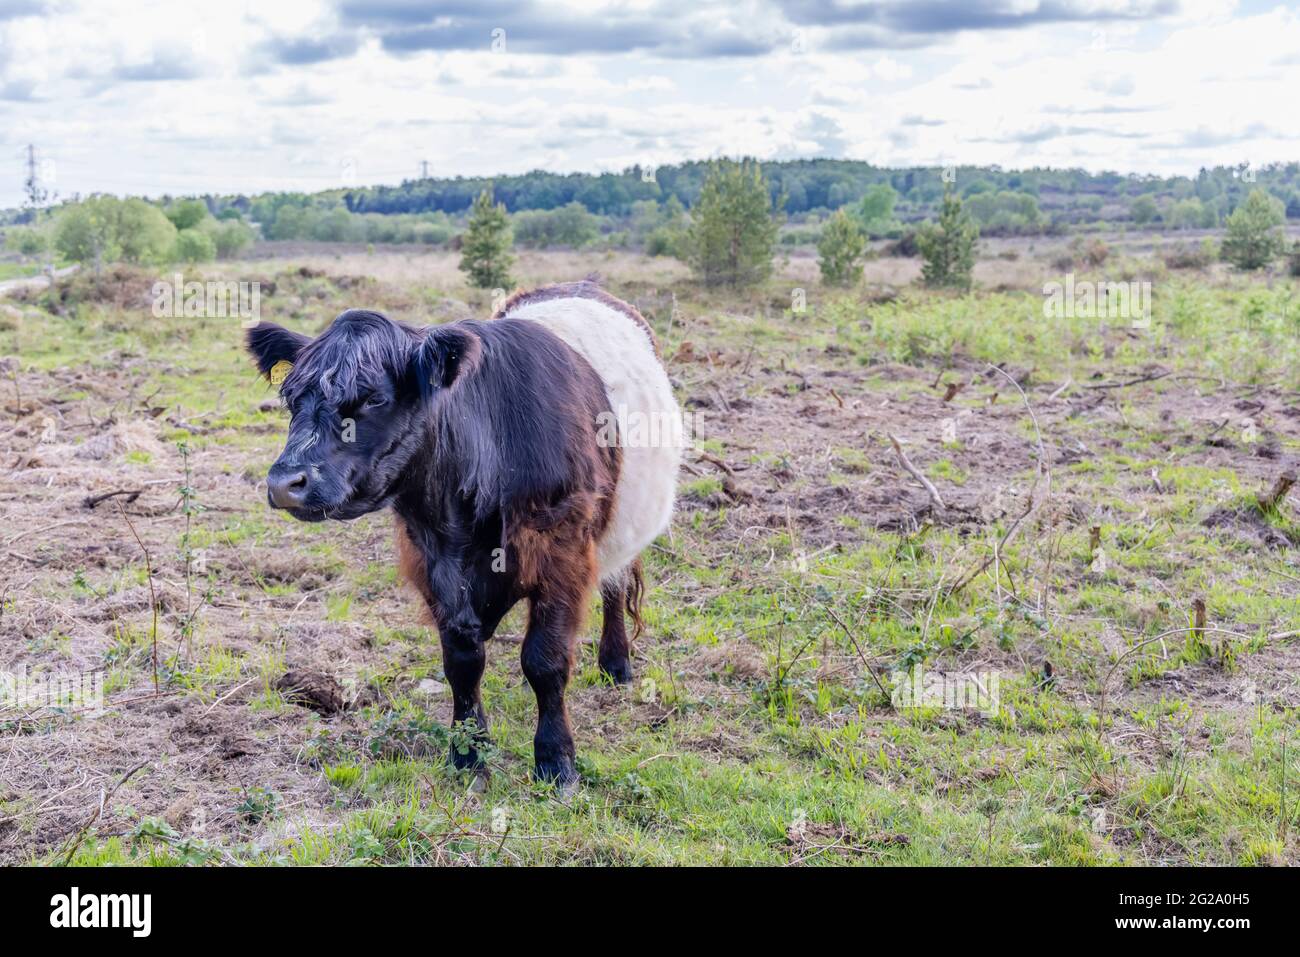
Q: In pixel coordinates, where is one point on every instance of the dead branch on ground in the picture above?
(912, 470)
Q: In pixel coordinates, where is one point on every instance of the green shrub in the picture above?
(27, 240)
(1143, 210)
(875, 210)
(107, 229)
(569, 225)
(1006, 210)
(194, 246)
(732, 230)
(229, 237)
(485, 249)
(187, 213)
(948, 247)
(1254, 239)
(1187, 256)
(840, 250)
(664, 241)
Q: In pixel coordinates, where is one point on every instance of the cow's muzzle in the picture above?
(287, 487)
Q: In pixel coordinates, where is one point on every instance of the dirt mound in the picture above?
(1248, 523)
(122, 287)
(312, 689)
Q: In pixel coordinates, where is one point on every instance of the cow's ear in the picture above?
(446, 354)
(270, 344)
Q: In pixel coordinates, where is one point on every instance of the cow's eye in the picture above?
(374, 401)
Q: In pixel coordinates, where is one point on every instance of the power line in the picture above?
(36, 194)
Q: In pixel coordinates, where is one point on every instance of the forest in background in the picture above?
(643, 209)
(1030, 201)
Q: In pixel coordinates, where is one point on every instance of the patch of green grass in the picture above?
(945, 469)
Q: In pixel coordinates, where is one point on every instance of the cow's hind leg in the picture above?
(615, 655)
(618, 595)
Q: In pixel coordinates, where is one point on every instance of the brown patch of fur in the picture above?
(584, 289)
(557, 551)
(544, 538)
(556, 567)
(572, 579)
(530, 548)
(410, 564)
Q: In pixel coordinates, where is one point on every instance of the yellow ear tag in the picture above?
(280, 371)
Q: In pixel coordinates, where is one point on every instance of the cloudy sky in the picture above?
(252, 95)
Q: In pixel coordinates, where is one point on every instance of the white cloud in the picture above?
(248, 96)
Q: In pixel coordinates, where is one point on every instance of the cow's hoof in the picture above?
(467, 760)
(559, 772)
(617, 670)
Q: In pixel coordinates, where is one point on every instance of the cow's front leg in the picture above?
(463, 659)
(547, 659)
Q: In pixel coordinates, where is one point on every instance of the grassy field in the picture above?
(18, 270)
(1099, 486)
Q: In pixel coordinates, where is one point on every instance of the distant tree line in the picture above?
(886, 202)
(667, 211)
(1009, 201)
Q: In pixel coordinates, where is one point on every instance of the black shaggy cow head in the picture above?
(359, 397)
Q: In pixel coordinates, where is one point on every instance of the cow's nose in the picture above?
(287, 488)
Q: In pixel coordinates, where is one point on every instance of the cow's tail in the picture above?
(633, 596)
